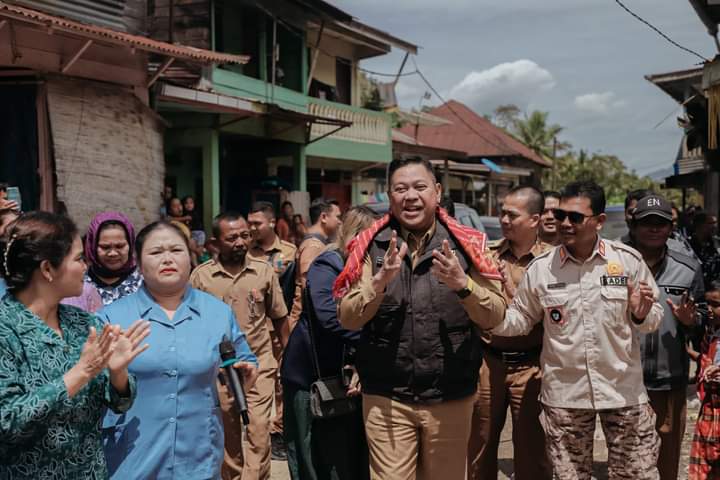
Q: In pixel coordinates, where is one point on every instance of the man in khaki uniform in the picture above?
(510, 375)
(280, 255)
(251, 288)
(325, 216)
(593, 296)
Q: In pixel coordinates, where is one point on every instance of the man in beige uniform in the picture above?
(421, 307)
(510, 375)
(593, 297)
(251, 288)
(280, 255)
(325, 216)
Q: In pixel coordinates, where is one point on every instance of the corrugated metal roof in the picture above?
(106, 13)
(106, 35)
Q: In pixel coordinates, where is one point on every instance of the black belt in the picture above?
(514, 358)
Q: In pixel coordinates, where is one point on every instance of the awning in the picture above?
(492, 165)
(482, 169)
(53, 24)
(173, 97)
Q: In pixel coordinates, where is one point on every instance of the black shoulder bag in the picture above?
(328, 395)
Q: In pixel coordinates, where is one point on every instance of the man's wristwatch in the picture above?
(465, 291)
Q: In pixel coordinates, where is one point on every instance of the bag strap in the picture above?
(308, 307)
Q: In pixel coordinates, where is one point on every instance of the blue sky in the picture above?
(581, 60)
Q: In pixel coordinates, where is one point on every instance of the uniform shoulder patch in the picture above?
(683, 259)
(623, 247)
(543, 257)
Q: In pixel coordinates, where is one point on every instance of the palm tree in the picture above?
(534, 132)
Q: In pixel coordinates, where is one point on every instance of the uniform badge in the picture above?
(556, 315)
(614, 268)
(614, 280)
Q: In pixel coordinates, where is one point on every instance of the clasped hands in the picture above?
(446, 267)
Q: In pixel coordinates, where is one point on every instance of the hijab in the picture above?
(91, 244)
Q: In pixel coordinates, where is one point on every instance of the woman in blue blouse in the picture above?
(174, 430)
(58, 370)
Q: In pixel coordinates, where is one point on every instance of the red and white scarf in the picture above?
(471, 241)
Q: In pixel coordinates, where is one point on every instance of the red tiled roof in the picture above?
(106, 35)
(471, 133)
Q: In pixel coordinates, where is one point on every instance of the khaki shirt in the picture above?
(591, 350)
(279, 255)
(308, 251)
(501, 251)
(255, 297)
(485, 305)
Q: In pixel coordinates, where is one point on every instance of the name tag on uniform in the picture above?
(557, 286)
(614, 280)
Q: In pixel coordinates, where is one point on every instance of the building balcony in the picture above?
(367, 126)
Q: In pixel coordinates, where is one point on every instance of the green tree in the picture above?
(505, 116)
(535, 132)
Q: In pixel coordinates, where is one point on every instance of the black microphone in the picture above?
(227, 355)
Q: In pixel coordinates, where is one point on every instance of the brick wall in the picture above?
(108, 150)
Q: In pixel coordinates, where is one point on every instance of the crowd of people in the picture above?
(369, 347)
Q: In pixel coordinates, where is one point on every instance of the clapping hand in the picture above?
(685, 312)
(97, 350)
(641, 299)
(447, 269)
(127, 346)
(392, 263)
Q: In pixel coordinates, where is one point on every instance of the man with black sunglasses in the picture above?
(593, 296)
(666, 363)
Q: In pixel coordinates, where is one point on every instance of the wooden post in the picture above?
(446, 178)
(316, 53)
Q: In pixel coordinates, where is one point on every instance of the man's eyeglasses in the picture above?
(575, 218)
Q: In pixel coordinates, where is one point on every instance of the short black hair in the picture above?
(448, 204)
(713, 286)
(4, 186)
(285, 204)
(587, 189)
(265, 207)
(186, 198)
(143, 235)
(551, 194)
(224, 217)
(320, 206)
(398, 163)
(535, 198)
(31, 239)
(637, 195)
(699, 219)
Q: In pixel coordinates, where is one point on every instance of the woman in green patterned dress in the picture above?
(58, 370)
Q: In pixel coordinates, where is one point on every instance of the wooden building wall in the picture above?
(108, 150)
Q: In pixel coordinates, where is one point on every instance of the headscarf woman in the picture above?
(109, 245)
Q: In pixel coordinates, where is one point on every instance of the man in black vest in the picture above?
(420, 287)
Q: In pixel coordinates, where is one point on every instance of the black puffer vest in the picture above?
(421, 346)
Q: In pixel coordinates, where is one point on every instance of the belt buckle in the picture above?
(510, 358)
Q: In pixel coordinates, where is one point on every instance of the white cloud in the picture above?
(516, 82)
(598, 103)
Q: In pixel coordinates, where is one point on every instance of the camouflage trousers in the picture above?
(633, 444)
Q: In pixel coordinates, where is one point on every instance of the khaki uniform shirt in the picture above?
(516, 267)
(485, 305)
(279, 255)
(254, 295)
(591, 349)
(307, 252)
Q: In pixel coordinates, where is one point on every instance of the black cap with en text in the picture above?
(653, 205)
